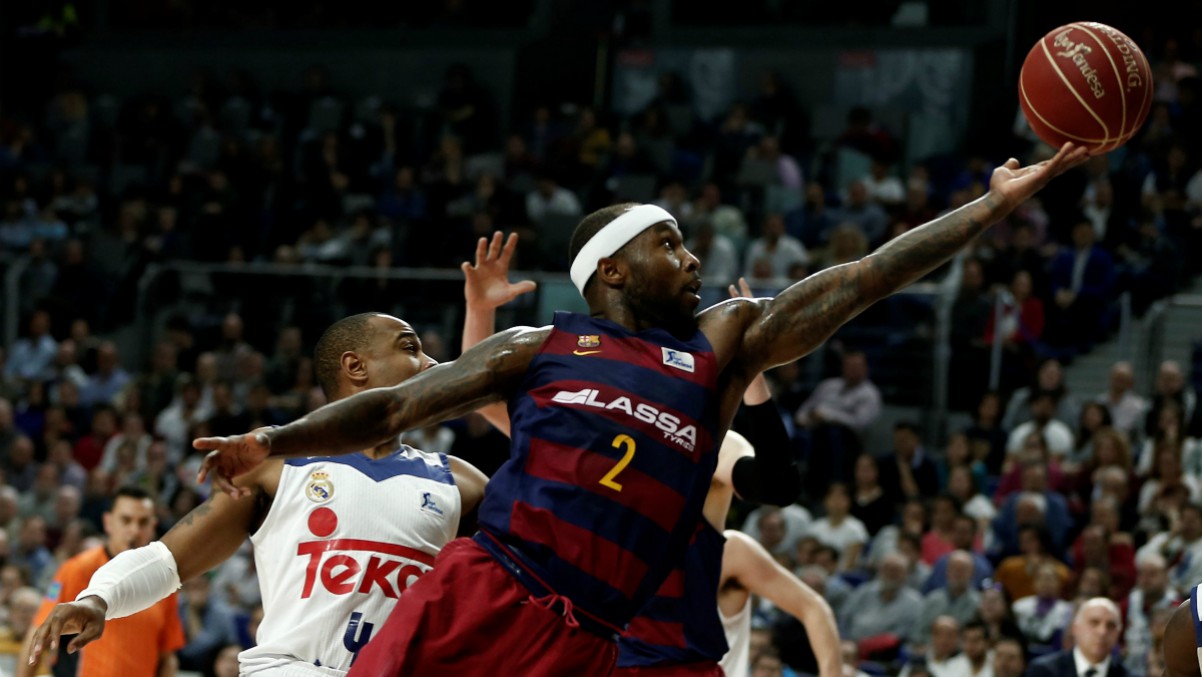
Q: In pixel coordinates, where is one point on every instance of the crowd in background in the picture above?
(1048, 497)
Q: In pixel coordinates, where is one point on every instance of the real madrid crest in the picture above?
(319, 489)
(588, 340)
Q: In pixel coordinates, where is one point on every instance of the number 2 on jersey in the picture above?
(619, 441)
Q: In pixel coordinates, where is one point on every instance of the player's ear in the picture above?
(354, 367)
(611, 271)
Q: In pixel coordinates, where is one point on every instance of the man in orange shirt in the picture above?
(142, 645)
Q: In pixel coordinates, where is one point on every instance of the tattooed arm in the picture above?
(486, 373)
(801, 317)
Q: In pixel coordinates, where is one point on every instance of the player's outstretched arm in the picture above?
(487, 373)
(486, 287)
(804, 315)
(748, 562)
(137, 579)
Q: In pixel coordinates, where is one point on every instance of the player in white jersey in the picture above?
(1183, 638)
(337, 540)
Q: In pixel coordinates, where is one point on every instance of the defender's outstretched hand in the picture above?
(487, 282)
(231, 456)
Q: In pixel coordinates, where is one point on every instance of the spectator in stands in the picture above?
(103, 386)
(1181, 547)
(1009, 657)
(1016, 573)
(1049, 377)
(783, 168)
(1021, 326)
(869, 503)
(1166, 475)
(174, 422)
(1095, 634)
(846, 244)
(812, 222)
(835, 416)
(859, 209)
(549, 199)
(1127, 408)
(782, 251)
(958, 454)
(32, 356)
(913, 523)
(964, 539)
(778, 529)
(941, 653)
(883, 185)
(208, 624)
(718, 252)
(1094, 424)
(89, 450)
(31, 551)
(1056, 434)
(884, 609)
(1170, 388)
(1097, 548)
(1048, 503)
(909, 545)
(956, 598)
(937, 541)
(909, 473)
(20, 609)
(62, 457)
(727, 219)
(1150, 595)
(1043, 616)
(1082, 280)
(20, 468)
(970, 312)
(986, 435)
(839, 529)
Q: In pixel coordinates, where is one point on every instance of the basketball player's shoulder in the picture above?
(724, 323)
(1180, 639)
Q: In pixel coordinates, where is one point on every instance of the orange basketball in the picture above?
(1086, 83)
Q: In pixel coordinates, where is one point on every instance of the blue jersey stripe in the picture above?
(1193, 607)
(380, 469)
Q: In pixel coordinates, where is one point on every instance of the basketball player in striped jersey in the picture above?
(615, 417)
(337, 539)
(704, 606)
(1183, 638)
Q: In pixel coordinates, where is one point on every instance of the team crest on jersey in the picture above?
(588, 340)
(319, 489)
(428, 504)
(679, 359)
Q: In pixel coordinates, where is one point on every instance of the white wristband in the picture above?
(134, 580)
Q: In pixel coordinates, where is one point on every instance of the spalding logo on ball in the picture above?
(1086, 83)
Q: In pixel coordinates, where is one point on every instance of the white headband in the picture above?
(612, 237)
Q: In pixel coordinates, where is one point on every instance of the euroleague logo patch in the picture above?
(319, 488)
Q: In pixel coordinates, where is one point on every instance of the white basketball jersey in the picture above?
(737, 661)
(1195, 607)
(343, 539)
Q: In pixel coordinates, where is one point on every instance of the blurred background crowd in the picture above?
(974, 537)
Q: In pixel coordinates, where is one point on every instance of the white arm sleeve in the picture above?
(134, 580)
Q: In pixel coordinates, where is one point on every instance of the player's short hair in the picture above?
(592, 224)
(348, 334)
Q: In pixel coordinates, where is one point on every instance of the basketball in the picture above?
(1087, 83)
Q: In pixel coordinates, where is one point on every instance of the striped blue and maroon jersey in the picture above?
(614, 443)
(680, 624)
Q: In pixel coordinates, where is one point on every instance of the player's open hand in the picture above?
(231, 456)
(487, 282)
(85, 617)
(1014, 184)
